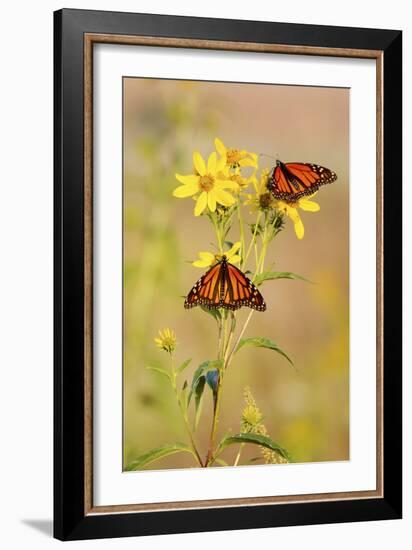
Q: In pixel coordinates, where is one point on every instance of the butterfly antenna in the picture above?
(269, 156)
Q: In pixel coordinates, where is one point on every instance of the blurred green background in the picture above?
(305, 411)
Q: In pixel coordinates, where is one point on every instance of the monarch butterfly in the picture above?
(224, 285)
(291, 181)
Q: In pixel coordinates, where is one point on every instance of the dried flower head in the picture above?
(252, 423)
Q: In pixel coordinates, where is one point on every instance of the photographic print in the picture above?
(235, 274)
(227, 354)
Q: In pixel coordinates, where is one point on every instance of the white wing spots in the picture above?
(325, 176)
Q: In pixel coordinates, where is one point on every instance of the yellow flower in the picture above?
(236, 157)
(208, 259)
(166, 340)
(241, 182)
(209, 181)
(291, 210)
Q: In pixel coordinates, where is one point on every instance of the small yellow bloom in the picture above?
(234, 175)
(291, 210)
(236, 157)
(166, 340)
(251, 416)
(210, 181)
(208, 259)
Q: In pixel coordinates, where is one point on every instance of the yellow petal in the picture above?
(247, 162)
(211, 202)
(221, 163)
(309, 206)
(200, 263)
(220, 148)
(187, 179)
(234, 249)
(299, 229)
(211, 163)
(254, 180)
(207, 256)
(199, 163)
(201, 204)
(223, 197)
(186, 190)
(226, 184)
(235, 259)
(292, 213)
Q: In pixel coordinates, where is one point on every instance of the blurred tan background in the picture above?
(305, 411)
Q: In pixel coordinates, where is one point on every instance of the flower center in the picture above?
(206, 182)
(233, 156)
(265, 201)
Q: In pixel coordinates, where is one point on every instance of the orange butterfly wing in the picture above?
(206, 291)
(291, 181)
(241, 291)
(225, 286)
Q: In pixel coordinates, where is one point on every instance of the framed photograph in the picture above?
(227, 274)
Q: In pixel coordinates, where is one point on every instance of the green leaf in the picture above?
(271, 275)
(198, 385)
(221, 462)
(215, 313)
(156, 454)
(201, 370)
(212, 379)
(184, 396)
(253, 460)
(261, 342)
(198, 399)
(255, 439)
(183, 365)
(161, 371)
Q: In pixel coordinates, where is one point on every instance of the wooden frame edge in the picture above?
(89, 40)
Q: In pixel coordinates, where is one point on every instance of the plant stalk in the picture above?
(184, 415)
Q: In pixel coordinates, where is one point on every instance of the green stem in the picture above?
(225, 342)
(262, 256)
(220, 342)
(218, 232)
(253, 240)
(259, 269)
(232, 352)
(215, 421)
(216, 412)
(231, 333)
(242, 230)
(236, 462)
(184, 414)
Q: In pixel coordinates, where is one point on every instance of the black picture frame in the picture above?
(71, 521)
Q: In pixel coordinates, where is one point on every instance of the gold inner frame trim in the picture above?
(89, 40)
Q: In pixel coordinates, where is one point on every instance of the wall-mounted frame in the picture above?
(81, 511)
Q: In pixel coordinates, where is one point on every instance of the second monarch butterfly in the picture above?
(292, 180)
(224, 285)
